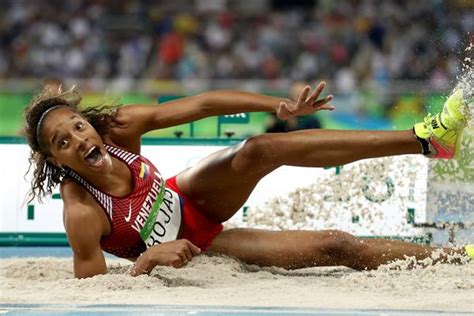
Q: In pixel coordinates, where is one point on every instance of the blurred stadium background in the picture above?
(385, 61)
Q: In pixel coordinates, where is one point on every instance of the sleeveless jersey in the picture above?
(149, 215)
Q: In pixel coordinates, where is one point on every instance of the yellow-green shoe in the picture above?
(442, 132)
(469, 251)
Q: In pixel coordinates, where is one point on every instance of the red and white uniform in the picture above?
(153, 213)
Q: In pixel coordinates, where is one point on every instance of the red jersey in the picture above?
(149, 215)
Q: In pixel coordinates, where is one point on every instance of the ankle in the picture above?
(424, 144)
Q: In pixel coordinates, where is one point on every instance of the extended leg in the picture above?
(322, 148)
(300, 249)
(221, 183)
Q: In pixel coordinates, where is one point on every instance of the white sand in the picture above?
(217, 280)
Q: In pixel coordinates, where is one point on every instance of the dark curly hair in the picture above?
(45, 174)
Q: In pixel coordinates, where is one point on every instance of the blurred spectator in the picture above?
(354, 42)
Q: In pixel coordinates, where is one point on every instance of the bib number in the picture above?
(167, 222)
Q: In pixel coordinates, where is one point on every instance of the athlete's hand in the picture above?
(175, 253)
(307, 103)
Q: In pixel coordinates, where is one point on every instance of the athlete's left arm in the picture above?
(141, 118)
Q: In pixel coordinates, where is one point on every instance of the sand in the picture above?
(219, 280)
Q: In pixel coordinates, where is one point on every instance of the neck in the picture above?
(116, 182)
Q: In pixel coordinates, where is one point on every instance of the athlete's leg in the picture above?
(222, 182)
(300, 249)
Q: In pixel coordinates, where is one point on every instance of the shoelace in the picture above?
(427, 123)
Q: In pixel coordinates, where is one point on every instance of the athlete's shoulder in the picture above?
(80, 209)
(73, 192)
(78, 202)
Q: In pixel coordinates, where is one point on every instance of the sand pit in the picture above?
(217, 280)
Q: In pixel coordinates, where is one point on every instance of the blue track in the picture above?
(172, 310)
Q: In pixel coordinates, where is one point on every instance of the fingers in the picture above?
(304, 95)
(140, 267)
(184, 255)
(195, 250)
(312, 100)
(323, 102)
(327, 107)
(136, 271)
(190, 250)
(187, 252)
(133, 272)
(179, 263)
(314, 96)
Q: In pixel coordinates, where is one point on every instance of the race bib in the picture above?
(164, 220)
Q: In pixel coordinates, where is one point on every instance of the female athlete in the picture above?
(116, 200)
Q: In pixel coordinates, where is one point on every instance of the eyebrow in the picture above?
(55, 134)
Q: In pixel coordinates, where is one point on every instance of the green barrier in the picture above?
(11, 112)
(241, 118)
(33, 239)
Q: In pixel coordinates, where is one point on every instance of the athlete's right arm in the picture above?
(84, 229)
(138, 119)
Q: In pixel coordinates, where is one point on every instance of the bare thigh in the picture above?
(286, 249)
(221, 183)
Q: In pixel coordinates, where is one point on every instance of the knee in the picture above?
(341, 245)
(257, 149)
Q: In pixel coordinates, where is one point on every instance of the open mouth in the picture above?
(94, 157)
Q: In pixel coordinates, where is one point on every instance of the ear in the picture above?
(54, 161)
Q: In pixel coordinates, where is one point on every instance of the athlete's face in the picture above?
(74, 143)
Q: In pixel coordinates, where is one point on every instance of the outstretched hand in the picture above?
(307, 103)
(175, 253)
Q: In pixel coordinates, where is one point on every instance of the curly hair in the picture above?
(45, 174)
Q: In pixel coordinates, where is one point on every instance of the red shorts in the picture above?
(197, 227)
